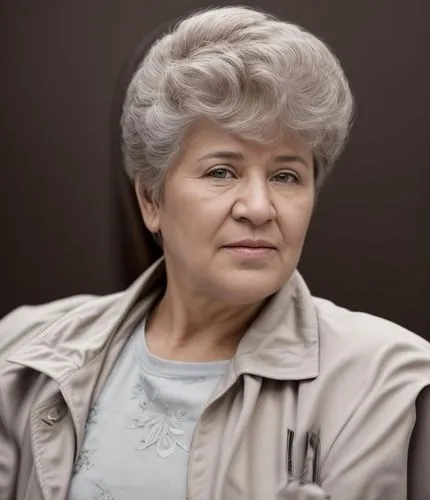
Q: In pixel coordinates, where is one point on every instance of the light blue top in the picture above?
(139, 432)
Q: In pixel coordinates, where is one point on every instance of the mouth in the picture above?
(252, 249)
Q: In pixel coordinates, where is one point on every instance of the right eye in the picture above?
(220, 173)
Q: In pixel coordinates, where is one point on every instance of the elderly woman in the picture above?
(217, 375)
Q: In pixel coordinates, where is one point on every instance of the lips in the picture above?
(250, 243)
(256, 251)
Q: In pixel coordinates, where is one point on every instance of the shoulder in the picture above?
(27, 322)
(369, 344)
(362, 329)
(62, 322)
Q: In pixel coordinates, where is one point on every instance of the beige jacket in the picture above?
(316, 395)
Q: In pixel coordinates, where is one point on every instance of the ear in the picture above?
(149, 210)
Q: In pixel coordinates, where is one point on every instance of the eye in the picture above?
(286, 178)
(220, 173)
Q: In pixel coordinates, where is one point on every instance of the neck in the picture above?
(190, 327)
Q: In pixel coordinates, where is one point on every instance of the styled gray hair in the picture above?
(254, 75)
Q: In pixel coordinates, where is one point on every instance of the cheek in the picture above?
(190, 217)
(294, 219)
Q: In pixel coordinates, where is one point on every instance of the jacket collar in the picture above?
(282, 343)
(81, 334)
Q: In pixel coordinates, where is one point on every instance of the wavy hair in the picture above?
(253, 74)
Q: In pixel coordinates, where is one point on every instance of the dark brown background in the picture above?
(63, 227)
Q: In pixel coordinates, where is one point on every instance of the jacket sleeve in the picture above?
(368, 457)
(419, 450)
(8, 463)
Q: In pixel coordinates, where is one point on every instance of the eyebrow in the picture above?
(233, 155)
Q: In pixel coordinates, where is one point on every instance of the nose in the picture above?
(254, 203)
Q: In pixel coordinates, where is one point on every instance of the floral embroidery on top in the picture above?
(83, 463)
(103, 493)
(161, 424)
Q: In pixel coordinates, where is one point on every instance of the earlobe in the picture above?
(148, 207)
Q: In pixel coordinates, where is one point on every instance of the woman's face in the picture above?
(234, 214)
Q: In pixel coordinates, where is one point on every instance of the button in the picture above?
(52, 416)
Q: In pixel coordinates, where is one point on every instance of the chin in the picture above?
(249, 290)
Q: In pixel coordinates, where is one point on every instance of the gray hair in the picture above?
(254, 75)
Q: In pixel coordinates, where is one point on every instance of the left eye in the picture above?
(220, 173)
(285, 177)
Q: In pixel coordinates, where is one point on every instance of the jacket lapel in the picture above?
(76, 370)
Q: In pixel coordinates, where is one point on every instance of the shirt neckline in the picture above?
(169, 368)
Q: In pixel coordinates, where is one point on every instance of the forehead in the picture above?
(205, 135)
